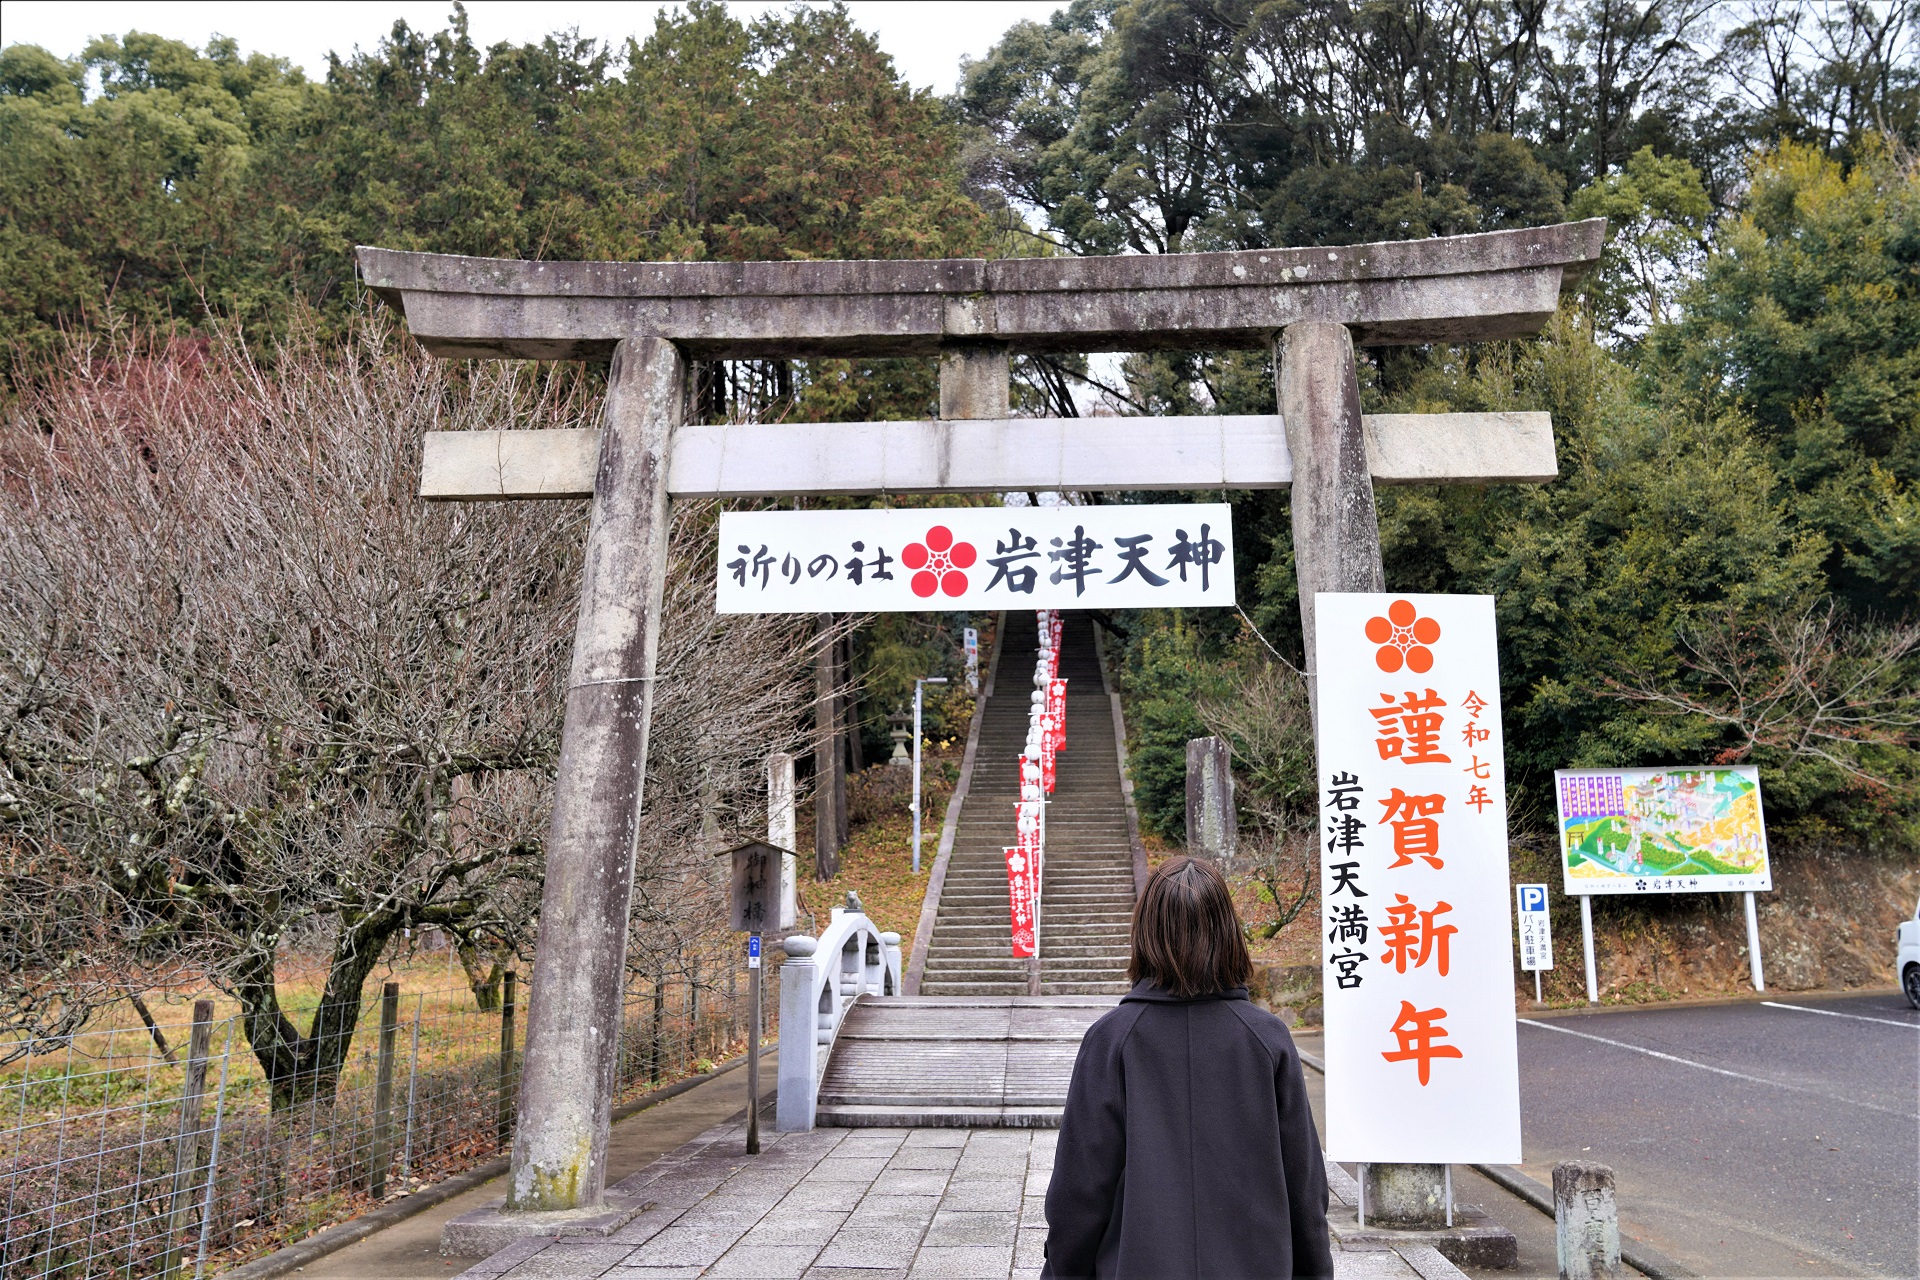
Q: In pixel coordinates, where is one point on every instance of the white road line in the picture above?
(1719, 1071)
(1857, 1017)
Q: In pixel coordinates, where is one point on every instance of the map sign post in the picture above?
(754, 898)
(1536, 932)
(1422, 1059)
(1680, 830)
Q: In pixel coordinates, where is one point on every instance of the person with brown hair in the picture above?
(1187, 1148)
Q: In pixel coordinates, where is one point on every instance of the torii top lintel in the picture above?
(1500, 284)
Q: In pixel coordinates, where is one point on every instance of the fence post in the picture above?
(693, 1010)
(655, 1046)
(186, 1146)
(382, 1154)
(503, 1124)
(213, 1157)
(413, 1078)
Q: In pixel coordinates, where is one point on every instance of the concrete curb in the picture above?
(1647, 1261)
(284, 1261)
(1705, 1002)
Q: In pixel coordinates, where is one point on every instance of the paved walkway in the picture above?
(842, 1204)
(410, 1249)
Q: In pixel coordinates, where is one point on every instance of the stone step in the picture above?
(923, 1117)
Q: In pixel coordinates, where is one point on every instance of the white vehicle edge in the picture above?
(1907, 963)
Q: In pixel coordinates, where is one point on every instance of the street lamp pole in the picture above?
(917, 690)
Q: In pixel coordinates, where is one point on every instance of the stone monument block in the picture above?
(1586, 1221)
(1212, 829)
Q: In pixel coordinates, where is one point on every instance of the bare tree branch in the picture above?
(1807, 686)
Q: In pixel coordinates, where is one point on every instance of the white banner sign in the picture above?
(1422, 1065)
(1536, 929)
(1107, 557)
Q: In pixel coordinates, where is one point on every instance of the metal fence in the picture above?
(118, 1162)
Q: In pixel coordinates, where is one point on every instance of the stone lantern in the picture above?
(900, 729)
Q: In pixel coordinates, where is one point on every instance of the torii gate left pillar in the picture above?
(574, 1007)
(649, 318)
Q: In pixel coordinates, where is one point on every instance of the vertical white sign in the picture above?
(973, 661)
(1422, 1065)
(1536, 930)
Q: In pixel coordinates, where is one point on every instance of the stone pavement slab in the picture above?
(843, 1204)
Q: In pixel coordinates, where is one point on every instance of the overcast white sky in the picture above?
(926, 38)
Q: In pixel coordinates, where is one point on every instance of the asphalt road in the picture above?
(1747, 1139)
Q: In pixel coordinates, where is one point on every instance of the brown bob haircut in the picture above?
(1187, 938)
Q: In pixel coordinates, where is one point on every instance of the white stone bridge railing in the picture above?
(819, 982)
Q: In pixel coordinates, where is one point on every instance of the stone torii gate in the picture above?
(1310, 305)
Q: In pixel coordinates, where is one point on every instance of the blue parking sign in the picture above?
(1536, 930)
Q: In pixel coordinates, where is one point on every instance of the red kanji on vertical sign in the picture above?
(1411, 935)
(1409, 730)
(939, 561)
(1415, 833)
(1417, 1029)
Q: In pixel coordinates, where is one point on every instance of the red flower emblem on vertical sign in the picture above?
(938, 562)
(1403, 637)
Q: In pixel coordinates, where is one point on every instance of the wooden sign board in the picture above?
(755, 889)
(1136, 556)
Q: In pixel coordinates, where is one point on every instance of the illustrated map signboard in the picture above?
(1422, 1064)
(978, 558)
(1688, 830)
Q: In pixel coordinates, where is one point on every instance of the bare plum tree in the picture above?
(252, 682)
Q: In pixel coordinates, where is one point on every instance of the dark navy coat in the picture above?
(1187, 1149)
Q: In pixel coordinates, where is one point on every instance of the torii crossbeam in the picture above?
(1310, 305)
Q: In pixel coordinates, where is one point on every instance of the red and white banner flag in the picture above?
(1057, 708)
(1020, 881)
(1047, 747)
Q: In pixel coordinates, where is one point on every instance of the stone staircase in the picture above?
(1087, 890)
(974, 1048)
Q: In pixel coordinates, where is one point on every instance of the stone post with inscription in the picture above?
(1212, 827)
(1586, 1221)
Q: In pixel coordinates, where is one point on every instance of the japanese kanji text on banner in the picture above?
(1422, 1064)
(1106, 557)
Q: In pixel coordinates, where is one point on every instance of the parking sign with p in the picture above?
(1536, 932)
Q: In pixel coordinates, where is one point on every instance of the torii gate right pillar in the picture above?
(1336, 530)
(1336, 547)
